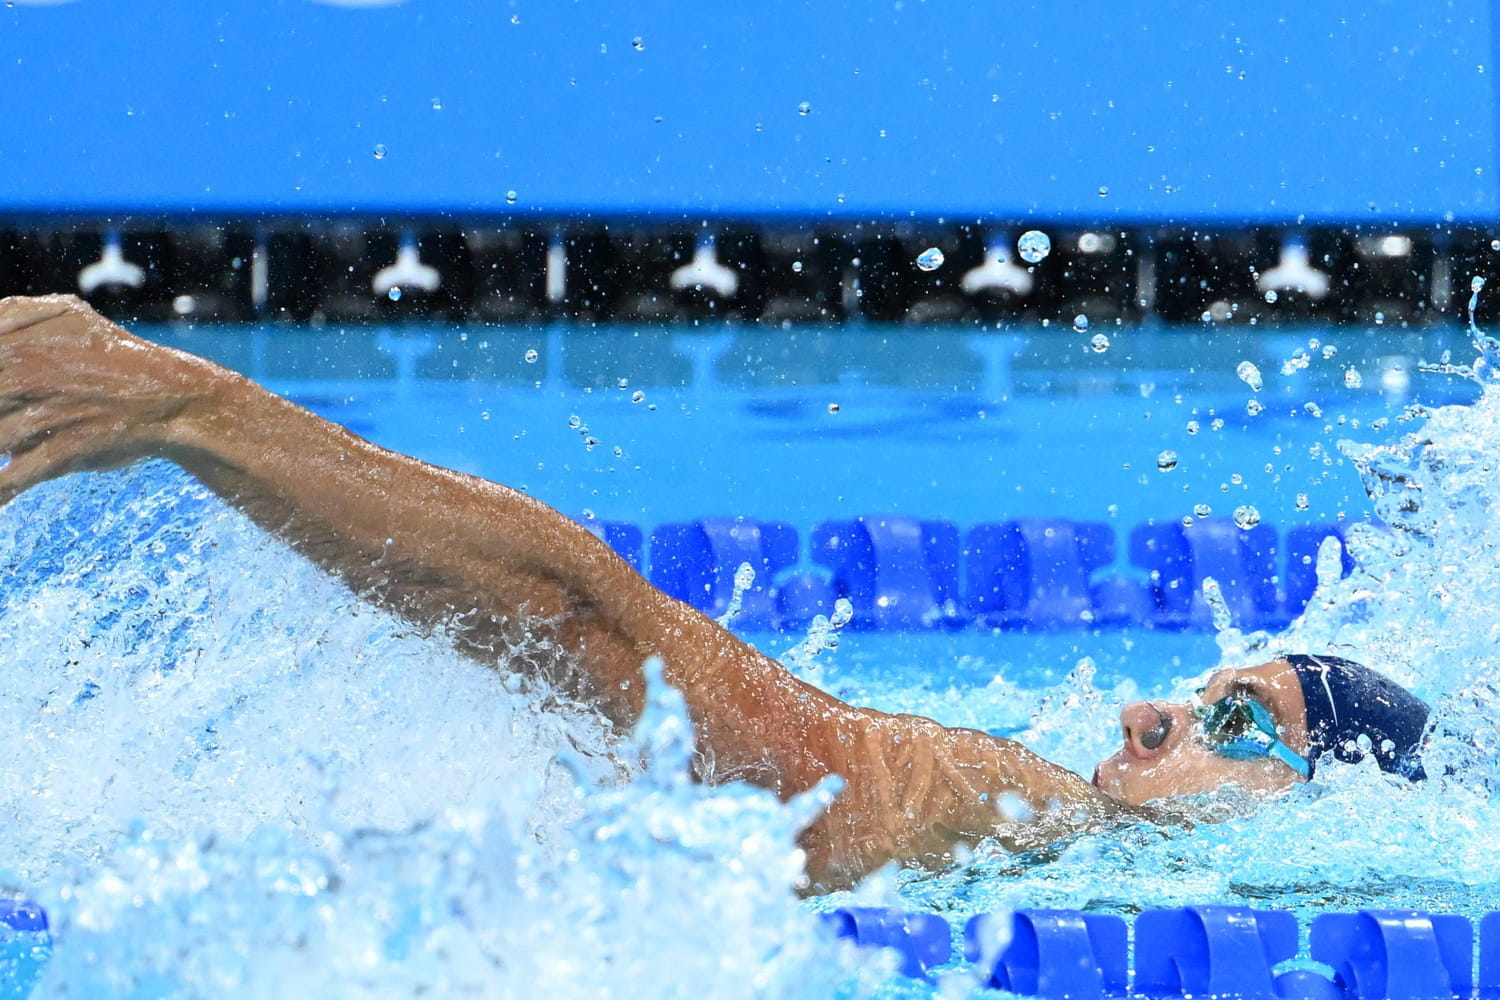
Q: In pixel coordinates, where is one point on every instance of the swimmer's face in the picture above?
(1164, 754)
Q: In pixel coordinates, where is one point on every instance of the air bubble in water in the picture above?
(638, 396)
(1202, 510)
(805, 108)
(1100, 343)
(930, 259)
(394, 294)
(1246, 517)
(1271, 295)
(1352, 378)
(380, 151)
(1167, 460)
(510, 197)
(531, 357)
(1033, 246)
(1081, 323)
(1302, 501)
(1249, 374)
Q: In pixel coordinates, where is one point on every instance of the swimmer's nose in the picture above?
(1146, 727)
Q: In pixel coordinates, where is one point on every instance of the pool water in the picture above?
(226, 775)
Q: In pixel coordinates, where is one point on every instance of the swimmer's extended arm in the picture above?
(77, 392)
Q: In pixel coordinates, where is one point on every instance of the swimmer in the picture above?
(78, 392)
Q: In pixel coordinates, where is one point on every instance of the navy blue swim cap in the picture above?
(1347, 700)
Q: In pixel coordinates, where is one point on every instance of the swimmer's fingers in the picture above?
(58, 455)
(26, 425)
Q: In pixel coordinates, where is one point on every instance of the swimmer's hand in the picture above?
(78, 392)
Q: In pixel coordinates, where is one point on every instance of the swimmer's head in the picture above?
(1263, 729)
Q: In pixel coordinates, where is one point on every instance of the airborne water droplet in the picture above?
(1249, 374)
(638, 396)
(1103, 191)
(638, 43)
(394, 294)
(1203, 510)
(1301, 501)
(1081, 323)
(1253, 407)
(1352, 378)
(930, 259)
(1167, 460)
(1246, 517)
(1271, 295)
(1033, 246)
(805, 108)
(531, 357)
(1476, 284)
(574, 421)
(1100, 343)
(510, 197)
(833, 407)
(380, 151)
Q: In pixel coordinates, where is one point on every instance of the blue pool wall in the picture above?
(1184, 112)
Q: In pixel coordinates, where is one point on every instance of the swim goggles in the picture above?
(1241, 728)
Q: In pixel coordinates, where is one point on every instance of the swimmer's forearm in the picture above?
(431, 543)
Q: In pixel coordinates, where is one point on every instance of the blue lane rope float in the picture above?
(1036, 574)
(25, 947)
(1225, 952)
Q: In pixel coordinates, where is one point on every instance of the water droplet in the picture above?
(619, 452)
(1477, 284)
(1271, 295)
(1187, 520)
(1081, 323)
(1202, 510)
(1313, 409)
(380, 151)
(590, 443)
(1302, 501)
(574, 421)
(1253, 407)
(797, 266)
(1249, 374)
(1352, 378)
(623, 383)
(1192, 427)
(1033, 246)
(638, 43)
(1495, 244)
(1329, 351)
(510, 197)
(1379, 318)
(805, 108)
(1103, 191)
(833, 407)
(1246, 517)
(1167, 460)
(394, 294)
(638, 396)
(1218, 423)
(930, 259)
(1100, 343)
(588, 515)
(515, 19)
(437, 104)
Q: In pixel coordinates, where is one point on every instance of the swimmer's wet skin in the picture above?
(78, 392)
